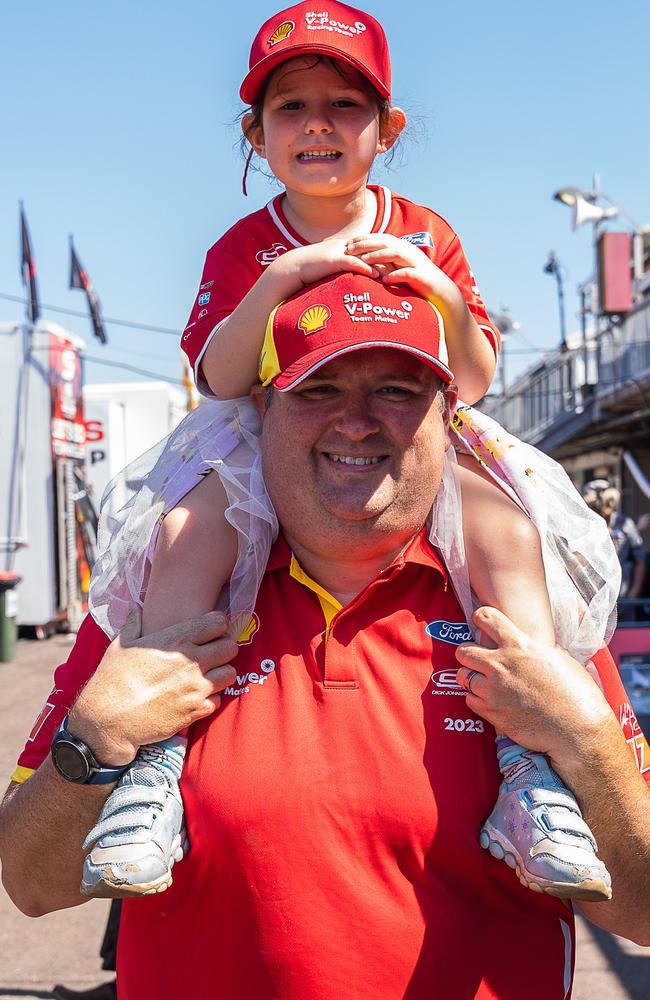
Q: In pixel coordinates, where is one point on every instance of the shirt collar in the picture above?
(419, 550)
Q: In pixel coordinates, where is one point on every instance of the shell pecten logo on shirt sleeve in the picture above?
(248, 631)
(314, 318)
(281, 33)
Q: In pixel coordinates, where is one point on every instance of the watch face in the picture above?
(70, 761)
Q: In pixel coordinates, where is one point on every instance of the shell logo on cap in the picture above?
(281, 33)
(314, 318)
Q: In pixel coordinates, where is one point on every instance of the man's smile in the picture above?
(355, 460)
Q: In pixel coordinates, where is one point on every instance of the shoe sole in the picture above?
(593, 890)
(109, 887)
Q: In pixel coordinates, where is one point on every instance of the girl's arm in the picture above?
(231, 361)
(194, 558)
(504, 555)
(471, 358)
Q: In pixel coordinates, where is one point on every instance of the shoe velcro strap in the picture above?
(553, 797)
(561, 813)
(119, 817)
(128, 796)
(572, 826)
(119, 823)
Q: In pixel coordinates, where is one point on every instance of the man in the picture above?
(605, 499)
(338, 774)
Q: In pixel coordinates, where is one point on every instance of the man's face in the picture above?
(357, 448)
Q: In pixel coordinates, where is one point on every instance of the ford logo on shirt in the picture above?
(419, 240)
(452, 632)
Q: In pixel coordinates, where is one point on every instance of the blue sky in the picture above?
(116, 124)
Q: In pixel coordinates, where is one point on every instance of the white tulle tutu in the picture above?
(582, 569)
(220, 436)
(583, 574)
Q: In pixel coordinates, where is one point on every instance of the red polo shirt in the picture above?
(333, 805)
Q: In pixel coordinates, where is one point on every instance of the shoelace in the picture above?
(517, 763)
(168, 755)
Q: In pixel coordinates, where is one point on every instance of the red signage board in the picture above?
(615, 272)
(68, 429)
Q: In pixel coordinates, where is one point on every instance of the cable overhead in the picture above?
(84, 315)
(112, 364)
(131, 368)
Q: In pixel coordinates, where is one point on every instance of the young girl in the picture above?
(318, 89)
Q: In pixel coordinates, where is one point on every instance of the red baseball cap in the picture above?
(337, 30)
(345, 313)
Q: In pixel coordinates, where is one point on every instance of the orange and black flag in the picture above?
(80, 279)
(28, 269)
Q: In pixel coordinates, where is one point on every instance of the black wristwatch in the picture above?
(75, 761)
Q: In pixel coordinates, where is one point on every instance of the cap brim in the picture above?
(306, 366)
(253, 81)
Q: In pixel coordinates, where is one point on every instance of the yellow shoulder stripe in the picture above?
(21, 774)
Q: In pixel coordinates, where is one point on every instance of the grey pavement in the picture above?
(60, 947)
(64, 947)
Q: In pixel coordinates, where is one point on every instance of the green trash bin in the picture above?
(8, 612)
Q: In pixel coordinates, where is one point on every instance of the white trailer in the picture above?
(123, 420)
(44, 537)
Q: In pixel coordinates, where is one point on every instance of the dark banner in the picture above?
(28, 269)
(79, 279)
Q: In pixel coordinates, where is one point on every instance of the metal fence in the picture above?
(615, 362)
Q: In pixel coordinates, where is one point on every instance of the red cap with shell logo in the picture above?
(345, 313)
(338, 30)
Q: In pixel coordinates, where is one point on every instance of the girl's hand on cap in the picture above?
(305, 265)
(403, 263)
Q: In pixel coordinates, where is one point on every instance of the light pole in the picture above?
(552, 266)
(587, 207)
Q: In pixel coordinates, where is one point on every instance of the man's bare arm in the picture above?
(144, 690)
(615, 801)
(43, 823)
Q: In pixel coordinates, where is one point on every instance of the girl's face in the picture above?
(320, 129)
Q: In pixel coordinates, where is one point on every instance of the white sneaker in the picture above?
(138, 835)
(537, 828)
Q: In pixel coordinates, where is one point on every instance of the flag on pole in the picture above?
(28, 269)
(79, 279)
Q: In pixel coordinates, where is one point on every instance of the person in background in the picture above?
(604, 498)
